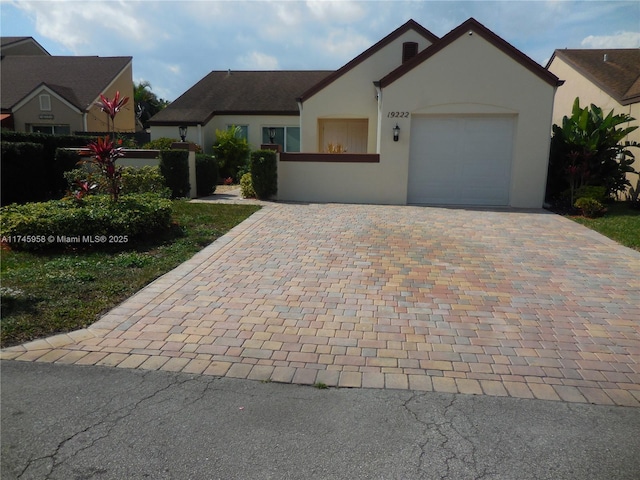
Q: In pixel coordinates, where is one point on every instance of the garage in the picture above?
(460, 160)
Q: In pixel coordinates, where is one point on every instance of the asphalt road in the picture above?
(73, 422)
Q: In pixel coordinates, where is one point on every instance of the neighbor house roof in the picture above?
(409, 25)
(79, 80)
(239, 92)
(618, 75)
(7, 43)
(471, 25)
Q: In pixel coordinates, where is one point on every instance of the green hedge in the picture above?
(46, 225)
(145, 179)
(23, 173)
(174, 166)
(206, 174)
(264, 173)
(54, 166)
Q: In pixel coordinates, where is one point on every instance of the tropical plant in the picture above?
(147, 103)
(231, 150)
(111, 108)
(587, 149)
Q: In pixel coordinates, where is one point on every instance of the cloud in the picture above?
(336, 12)
(618, 40)
(258, 61)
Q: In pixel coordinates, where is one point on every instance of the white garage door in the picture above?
(460, 160)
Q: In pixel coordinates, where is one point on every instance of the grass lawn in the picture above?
(47, 293)
(621, 223)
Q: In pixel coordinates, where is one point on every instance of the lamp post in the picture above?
(182, 129)
(272, 134)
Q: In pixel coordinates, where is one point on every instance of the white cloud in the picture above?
(336, 11)
(618, 40)
(343, 43)
(258, 61)
(79, 25)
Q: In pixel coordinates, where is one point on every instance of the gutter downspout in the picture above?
(379, 126)
(299, 101)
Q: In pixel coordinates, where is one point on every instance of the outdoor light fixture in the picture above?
(183, 132)
(272, 134)
(396, 133)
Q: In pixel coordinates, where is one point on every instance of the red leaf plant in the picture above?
(105, 153)
(112, 107)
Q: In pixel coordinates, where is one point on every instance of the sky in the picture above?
(176, 43)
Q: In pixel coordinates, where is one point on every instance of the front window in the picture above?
(287, 137)
(52, 129)
(343, 135)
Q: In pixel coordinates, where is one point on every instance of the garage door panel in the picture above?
(460, 160)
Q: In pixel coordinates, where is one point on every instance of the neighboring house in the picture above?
(460, 120)
(252, 100)
(608, 78)
(21, 46)
(57, 94)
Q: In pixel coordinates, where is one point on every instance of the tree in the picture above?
(232, 152)
(587, 150)
(147, 103)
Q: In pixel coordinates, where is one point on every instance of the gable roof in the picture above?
(79, 80)
(409, 25)
(619, 75)
(7, 43)
(471, 25)
(239, 92)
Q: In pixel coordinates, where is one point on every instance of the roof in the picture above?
(409, 25)
(239, 92)
(472, 25)
(619, 75)
(10, 42)
(79, 80)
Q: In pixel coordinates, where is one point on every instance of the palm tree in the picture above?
(147, 103)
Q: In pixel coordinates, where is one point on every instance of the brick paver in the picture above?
(524, 304)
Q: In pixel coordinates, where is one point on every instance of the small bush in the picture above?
(590, 207)
(264, 173)
(246, 186)
(39, 226)
(162, 143)
(174, 166)
(145, 179)
(231, 151)
(590, 191)
(206, 174)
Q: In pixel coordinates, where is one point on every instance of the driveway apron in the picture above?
(505, 303)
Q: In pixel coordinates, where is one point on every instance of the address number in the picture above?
(398, 115)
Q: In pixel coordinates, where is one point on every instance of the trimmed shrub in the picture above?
(174, 166)
(246, 187)
(264, 173)
(206, 174)
(23, 173)
(590, 207)
(162, 143)
(39, 226)
(590, 191)
(145, 179)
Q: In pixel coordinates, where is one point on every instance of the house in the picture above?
(608, 78)
(458, 120)
(57, 94)
(255, 101)
(21, 46)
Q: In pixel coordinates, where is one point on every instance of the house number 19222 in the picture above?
(398, 115)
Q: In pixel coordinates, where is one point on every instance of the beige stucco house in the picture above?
(608, 78)
(58, 94)
(467, 134)
(460, 120)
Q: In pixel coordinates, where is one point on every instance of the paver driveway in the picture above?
(525, 304)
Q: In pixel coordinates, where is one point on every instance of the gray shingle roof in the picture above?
(240, 92)
(619, 76)
(79, 80)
